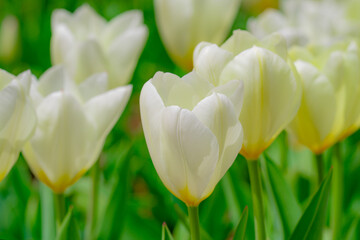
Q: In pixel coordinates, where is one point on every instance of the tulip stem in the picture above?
(48, 225)
(93, 207)
(194, 223)
(337, 192)
(320, 167)
(256, 192)
(59, 209)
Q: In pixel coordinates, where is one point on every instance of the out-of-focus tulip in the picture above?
(192, 132)
(9, 39)
(330, 107)
(307, 21)
(185, 23)
(73, 122)
(86, 44)
(258, 6)
(272, 90)
(17, 118)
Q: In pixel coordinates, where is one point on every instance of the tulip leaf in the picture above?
(285, 201)
(68, 228)
(241, 227)
(310, 225)
(116, 207)
(165, 233)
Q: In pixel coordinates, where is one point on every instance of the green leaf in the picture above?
(285, 201)
(241, 227)
(165, 233)
(68, 228)
(113, 221)
(312, 221)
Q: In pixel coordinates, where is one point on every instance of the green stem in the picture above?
(47, 213)
(59, 208)
(320, 167)
(194, 223)
(337, 192)
(284, 151)
(93, 208)
(256, 192)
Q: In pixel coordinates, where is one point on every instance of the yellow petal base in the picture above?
(62, 183)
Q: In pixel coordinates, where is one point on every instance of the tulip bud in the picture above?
(17, 118)
(86, 44)
(73, 122)
(192, 132)
(330, 109)
(183, 24)
(9, 37)
(272, 89)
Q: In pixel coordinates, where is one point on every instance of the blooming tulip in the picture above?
(306, 21)
(330, 108)
(86, 44)
(183, 24)
(192, 132)
(17, 118)
(73, 122)
(272, 90)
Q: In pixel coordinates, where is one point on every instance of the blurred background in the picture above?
(133, 202)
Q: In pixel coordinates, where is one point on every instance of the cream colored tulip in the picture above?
(330, 108)
(307, 21)
(17, 118)
(86, 44)
(73, 122)
(272, 90)
(183, 24)
(192, 132)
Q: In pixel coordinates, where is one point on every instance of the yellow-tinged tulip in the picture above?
(73, 122)
(272, 90)
(86, 44)
(192, 132)
(183, 24)
(330, 107)
(9, 39)
(17, 117)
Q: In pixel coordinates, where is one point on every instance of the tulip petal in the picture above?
(264, 73)
(210, 62)
(18, 117)
(62, 42)
(175, 91)
(90, 60)
(189, 151)
(218, 114)
(105, 109)
(63, 144)
(5, 78)
(56, 79)
(313, 125)
(123, 55)
(120, 24)
(93, 86)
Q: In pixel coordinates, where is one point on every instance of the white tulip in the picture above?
(86, 44)
(17, 118)
(192, 132)
(272, 90)
(330, 107)
(73, 122)
(185, 23)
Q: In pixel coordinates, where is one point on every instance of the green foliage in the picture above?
(313, 219)
(241, 228)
